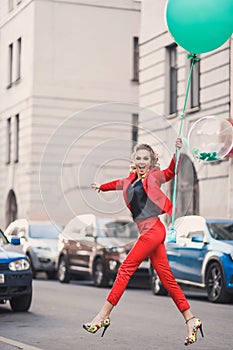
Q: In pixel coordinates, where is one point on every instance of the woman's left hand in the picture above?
(179, 142)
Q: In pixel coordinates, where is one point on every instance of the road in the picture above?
(141, 321)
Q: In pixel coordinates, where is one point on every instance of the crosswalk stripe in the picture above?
(18, 344)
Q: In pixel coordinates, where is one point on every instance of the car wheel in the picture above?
(156, 285)
(215, 284)
(63, 271)
(21, 303)
(100, 278)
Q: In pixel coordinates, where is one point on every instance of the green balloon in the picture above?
(200, 25)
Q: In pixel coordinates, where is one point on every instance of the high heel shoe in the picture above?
(193, 338)
(93, 328)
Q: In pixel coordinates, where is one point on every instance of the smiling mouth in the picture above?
(142, 168)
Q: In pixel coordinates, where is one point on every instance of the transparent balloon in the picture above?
(210, 138)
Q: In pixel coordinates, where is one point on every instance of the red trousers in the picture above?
(149, 244)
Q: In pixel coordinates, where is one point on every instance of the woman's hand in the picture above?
(96, 186)
(133, 167)
(179, 142)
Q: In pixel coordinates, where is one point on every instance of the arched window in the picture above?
(187, 188)
(11, 207)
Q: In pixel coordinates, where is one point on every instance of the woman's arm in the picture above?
(96, 186)
(109, 186)
(169, 173)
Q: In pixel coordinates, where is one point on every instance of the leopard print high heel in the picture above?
(93, 328)
(193, 338)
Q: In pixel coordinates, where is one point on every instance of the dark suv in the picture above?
(15, 276)
(95, 248)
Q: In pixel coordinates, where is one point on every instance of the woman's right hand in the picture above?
(179, 142)
(96, 186)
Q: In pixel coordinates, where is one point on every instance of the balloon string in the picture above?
(194, 59)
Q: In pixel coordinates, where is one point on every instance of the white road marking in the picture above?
(18, 344)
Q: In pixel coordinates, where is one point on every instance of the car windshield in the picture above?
(221, 230)
(119, 229)
(44, 231)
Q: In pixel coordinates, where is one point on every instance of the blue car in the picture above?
(15, 276)
(201, 257)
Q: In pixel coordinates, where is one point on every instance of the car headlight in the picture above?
(118, 250)
(19, 265)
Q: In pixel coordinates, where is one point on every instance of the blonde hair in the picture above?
(154, 156)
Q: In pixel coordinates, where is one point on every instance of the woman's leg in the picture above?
(160, 263)
(150, 237)
(150, 243)
(104, 313)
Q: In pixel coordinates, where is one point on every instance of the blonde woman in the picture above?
(146, 201)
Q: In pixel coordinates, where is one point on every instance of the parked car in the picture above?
(95, 248)
(15, 276)
(39, 243)
(202, 257)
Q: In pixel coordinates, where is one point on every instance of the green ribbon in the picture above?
(206, 156)
(194, 59)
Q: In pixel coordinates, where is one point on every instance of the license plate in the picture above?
(2, 278)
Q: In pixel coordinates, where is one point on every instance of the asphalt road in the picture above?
(141, 321)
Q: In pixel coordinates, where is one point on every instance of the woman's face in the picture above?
(142, 161)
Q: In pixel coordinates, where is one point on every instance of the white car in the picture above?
(39, 242)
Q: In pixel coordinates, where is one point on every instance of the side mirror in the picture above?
(198, 239)
(15, 241)
(89, 231)
(21, 234)
(89, 234)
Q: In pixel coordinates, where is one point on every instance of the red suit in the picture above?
(152, 235)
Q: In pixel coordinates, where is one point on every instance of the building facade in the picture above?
(68, 87)
(203, 188)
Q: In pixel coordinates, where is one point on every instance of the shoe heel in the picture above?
(104, 330)
(201, 330)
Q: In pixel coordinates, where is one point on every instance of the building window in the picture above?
(10, 69)
(10, 5)
(8, 144)
(195, 86)
(16, 157)
(134, 130)
(18, 66)
(172, 78)
(135, 59)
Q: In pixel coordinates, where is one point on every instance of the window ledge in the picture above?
(171, 116)
(18, 80)
(193, 109)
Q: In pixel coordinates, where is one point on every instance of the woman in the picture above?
(146, 202)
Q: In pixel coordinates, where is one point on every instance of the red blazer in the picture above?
(151, 184)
